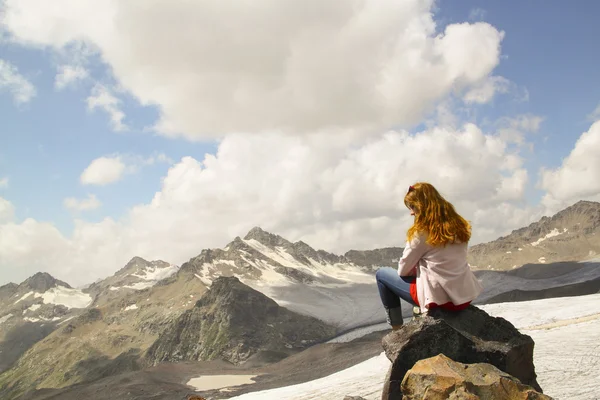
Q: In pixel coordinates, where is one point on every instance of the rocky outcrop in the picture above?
(233, 322)
(439, 378)
(470, 336)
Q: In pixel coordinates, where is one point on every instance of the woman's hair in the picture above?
(435, 216)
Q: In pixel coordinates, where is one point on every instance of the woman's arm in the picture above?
(414, 250)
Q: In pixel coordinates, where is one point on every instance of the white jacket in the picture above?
(443, 273)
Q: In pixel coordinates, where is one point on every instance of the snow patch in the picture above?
(5, 318)
(553, 233)
(542, 259)
(32, 308)
(26, 295)
(68, 319)
(131, 307)
(156, 274)
(70, 298)
(509, 252)
(113, 289)
(140, 285)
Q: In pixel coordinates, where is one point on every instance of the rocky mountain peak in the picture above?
(228, 292)
(266, 238)
(42, 281)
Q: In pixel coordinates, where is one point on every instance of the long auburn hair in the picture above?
(435, 216)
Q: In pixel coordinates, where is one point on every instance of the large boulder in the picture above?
(469, 336)
(439, 378)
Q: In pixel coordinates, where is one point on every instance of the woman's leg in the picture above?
(392, 288)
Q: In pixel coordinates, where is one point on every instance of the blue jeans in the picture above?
(392, 288)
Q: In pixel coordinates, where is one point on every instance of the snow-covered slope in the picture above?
(298, 277)
(566, 332)
(137, 274)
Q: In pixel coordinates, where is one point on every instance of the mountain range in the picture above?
(257, 301)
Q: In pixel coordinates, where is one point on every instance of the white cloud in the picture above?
(477, 14)
(90, 203)
(69, 74)
(485, 91)
(103, 98)
(594, 115)
(7, 211)
(3, 183)
(515, 129)
(335, 194)
(268, 65)
(578, 178)
(103, 170)
(11, 80)
(112, 168)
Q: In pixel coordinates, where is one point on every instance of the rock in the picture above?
(439, 377)
(470, 336)
(354, 398)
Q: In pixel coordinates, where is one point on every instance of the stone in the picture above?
(440, 378)
(468, 336)
(354, 398)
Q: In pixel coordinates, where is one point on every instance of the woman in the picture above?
(433, 270)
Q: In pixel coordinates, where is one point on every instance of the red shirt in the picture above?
(447, 306)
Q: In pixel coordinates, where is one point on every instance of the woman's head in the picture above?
(435, 216)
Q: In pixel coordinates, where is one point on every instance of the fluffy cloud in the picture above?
(103, 98)
(334, 194)
(579, 175)
(7, 210)
(68, 75)
(11, 80)
(213, 67)
(89, 203)
(485, 91)
(103, 170)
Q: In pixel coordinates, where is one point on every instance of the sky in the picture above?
(157, 129)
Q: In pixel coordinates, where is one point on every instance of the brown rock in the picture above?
(469, 336)
(440, 378)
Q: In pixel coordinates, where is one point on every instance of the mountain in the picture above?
(155, 312)
(572, 234)
(136, 275)
(107, 337)
(146, 301)
(32, 310)
(234, 322)
(298, 277)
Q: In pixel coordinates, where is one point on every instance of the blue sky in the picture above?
(548, 55)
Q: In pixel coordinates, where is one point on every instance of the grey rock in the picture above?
(469, 336)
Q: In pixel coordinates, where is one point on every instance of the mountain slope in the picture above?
(234, 322)
(109, 337)
(298, 277)
(572, 234)
(32, 310)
